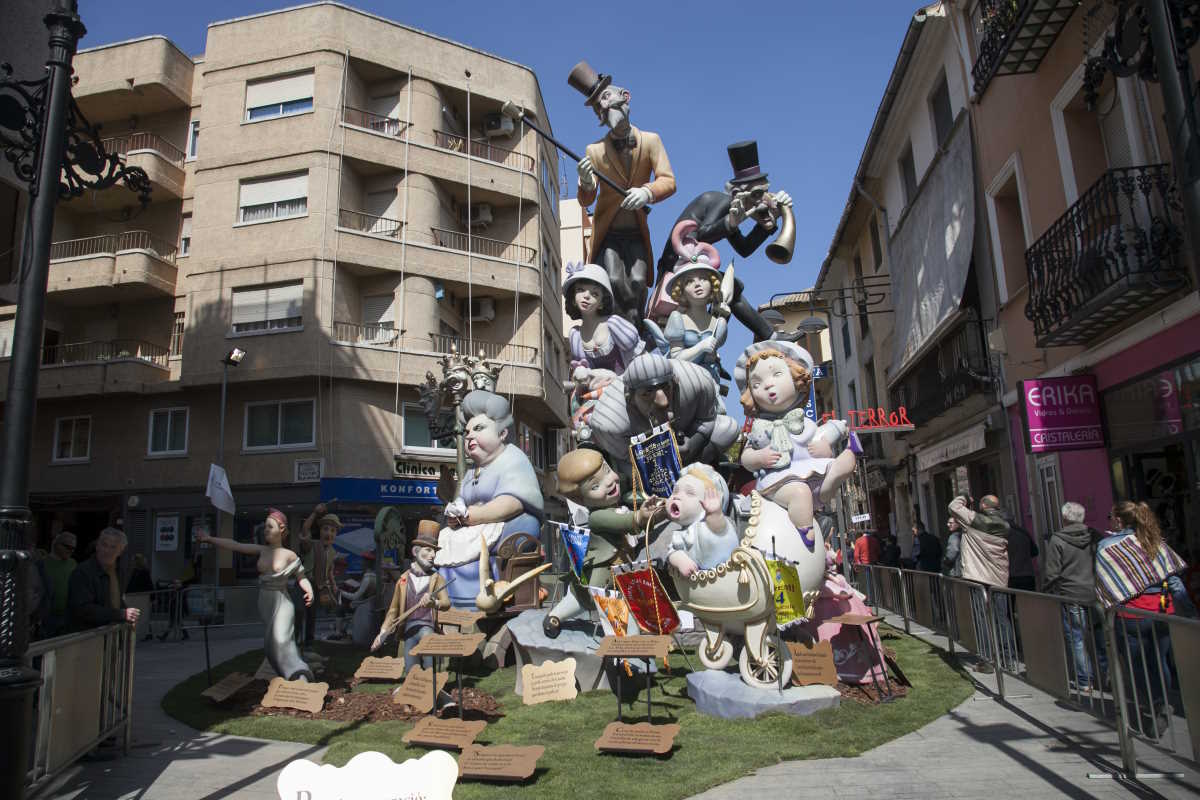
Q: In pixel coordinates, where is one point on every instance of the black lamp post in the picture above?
(58, 154)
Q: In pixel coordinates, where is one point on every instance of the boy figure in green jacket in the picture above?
(585, 478)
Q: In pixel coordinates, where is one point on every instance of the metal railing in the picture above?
(484, 149)
(109, 244)
(115, 350)
(382, 335)
(379, 123)
(957, 368)
(1014, 35)
(142, 140)
(1113, 253)
(514, 353)
(85, 696)
(1116, 665)
(480, 245)
(363, 222)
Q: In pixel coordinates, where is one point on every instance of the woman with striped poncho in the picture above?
(1136, 569)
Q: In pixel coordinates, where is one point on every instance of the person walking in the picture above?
(1071, 573)
(1136, 569)
(58, 567)
(983, 557)
(929, 556)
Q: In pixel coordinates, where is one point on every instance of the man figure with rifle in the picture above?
(419, 595)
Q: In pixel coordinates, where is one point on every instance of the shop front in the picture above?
(965, 463)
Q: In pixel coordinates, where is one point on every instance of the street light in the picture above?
(231, 359)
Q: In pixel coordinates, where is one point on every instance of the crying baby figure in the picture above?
(701, 536)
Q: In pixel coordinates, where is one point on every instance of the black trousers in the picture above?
(623, 256)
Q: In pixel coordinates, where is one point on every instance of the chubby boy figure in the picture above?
(701, 536)
(586, 479)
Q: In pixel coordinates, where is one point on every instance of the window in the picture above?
(288, 424)
(193, 138)
(550, 184)
(279, 197)
(7, 325)
(265, 308)
(908, 174)
(943, 114)
(72, 438)
(863, 325)
(538, 456)
(279, 96)
(853, 396)
(168, 432)
(176, 348)
(876, 250)
(846, 339)
(185, 236)
(416, 432)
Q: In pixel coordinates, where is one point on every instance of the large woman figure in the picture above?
(498, 496)
(276, 567)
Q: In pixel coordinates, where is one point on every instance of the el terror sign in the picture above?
(877, 420)
(1062, 413)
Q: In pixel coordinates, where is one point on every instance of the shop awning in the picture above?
(962, 444)
(931, 251)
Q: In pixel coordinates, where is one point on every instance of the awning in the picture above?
(962, 444)
(931, 251)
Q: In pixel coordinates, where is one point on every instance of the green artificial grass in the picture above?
(708, 751)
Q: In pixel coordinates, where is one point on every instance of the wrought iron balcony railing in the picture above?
(379, 123)
(1110, 256)
(128, 142)
(109, 244)
(1013, 36)
(957, 368)
(369, 223)
(484, 149)
(96, 352)
(514, 353)
(480, 245)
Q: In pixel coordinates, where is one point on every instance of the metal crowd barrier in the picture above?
(86, 696)
(1122, 666)
(219, 606)
(160, 612)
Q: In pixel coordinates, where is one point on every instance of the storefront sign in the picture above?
(875, 420)
(166, 533)
(393, 491)
(859, 518)
(1062, 413)
(965, 443)
(404, 468)
(822, 370)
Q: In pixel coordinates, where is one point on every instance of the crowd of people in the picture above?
(66, 595)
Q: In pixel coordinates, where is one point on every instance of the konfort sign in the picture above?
(1062, 413)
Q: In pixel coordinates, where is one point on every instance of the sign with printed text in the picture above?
(858, 518)
(300, 695)
(453, 732)
(621, 737)
(548, 681)
(417, 690)
(166, 533)
(634, 647)
(459, 617)
(227, 687)
(1062, 413)
(387, 668)
(391, 491)
(421, 470)
(813, 663)
(499, 762)
(455, 645)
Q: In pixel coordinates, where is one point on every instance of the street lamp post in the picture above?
(231, 359)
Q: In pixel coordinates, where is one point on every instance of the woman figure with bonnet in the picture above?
(697, 328)
(276, 567)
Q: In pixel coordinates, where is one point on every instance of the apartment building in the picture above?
(336, 195)
(1099, 318)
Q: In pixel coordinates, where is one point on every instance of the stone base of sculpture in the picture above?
(578, 639)
(723, 694)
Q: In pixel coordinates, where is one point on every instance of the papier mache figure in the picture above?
(585, 478)
(419, 587)
(717, 216)
(629, 157)
(276, 567)
(498, 496)
(701, 536)
(789, 454)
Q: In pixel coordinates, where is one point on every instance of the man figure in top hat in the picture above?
(719, 214)
(419, 587)
(629, 157)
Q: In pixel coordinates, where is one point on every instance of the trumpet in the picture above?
(780, 250)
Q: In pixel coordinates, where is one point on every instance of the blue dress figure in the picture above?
(498, 497)
(696, 329)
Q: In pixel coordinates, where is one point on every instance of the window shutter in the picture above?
(274, 190)
(249, 305)
(273, 91)
(6, 336)
(377, 308)
(284, 301)
(1112, 129)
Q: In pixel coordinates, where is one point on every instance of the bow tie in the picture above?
(628, 143)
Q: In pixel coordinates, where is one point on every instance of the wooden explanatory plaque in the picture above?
(301, 695)
(812, 664)
(459, 617)
(551, 680)
(417, 689)
(634, 647)
(227, 687)
(499, 762)
(455, 645)
(620, 737)
(386, 668)
(453, 732)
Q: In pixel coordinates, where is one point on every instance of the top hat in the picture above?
(744, 158)
(427, 534)
(588, 82)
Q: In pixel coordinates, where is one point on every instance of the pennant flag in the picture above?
(657, 460)
(576, 541)
(648, 601)
(789, 597)
(614, 611)
(810, 410)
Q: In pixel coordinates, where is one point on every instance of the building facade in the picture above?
(338, 196)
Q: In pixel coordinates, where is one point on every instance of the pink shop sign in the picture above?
(1062, 413)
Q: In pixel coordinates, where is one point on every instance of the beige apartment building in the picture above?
(337, 195)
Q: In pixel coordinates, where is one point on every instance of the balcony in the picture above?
(94, 268)
(484, 149)
(956, 370)
(162, 160)
(1111, 256)
(393, 127)
(1014, 36)
(369, 224)
(482, 246)
(383, 335)
(98, 367)
(143, 76)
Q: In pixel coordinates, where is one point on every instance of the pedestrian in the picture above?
(1071, 573)
(866, 549)
(1022, 550)
(94, 593)
(891, 552)
(1136, 569)
(139, 578)
(983, 557)
(58, 566)
(929, 556)
(950, 560)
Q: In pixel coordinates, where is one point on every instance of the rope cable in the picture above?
(396, 443)
(470, 285)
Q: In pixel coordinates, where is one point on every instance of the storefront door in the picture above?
(1050, 498)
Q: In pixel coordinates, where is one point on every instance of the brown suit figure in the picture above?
(631, 158)
(420, 586)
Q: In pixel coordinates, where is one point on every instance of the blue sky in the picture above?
(804, 78)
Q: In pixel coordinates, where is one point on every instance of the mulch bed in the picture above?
(867, 694)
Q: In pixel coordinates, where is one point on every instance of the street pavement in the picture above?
(1026, 747)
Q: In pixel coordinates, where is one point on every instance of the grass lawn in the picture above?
(709, 751)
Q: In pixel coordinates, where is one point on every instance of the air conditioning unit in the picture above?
(483, 309)
(497, 124)
(481, 215)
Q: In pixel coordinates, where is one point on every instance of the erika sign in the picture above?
(1062, 413)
